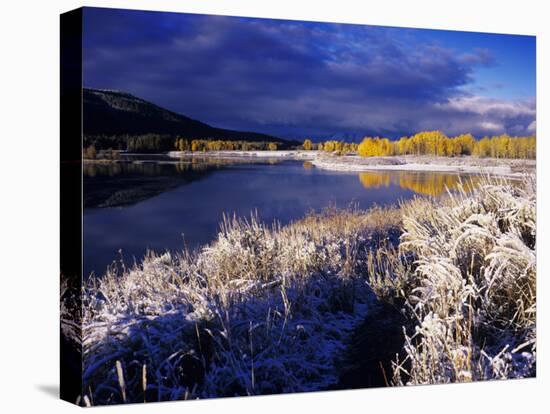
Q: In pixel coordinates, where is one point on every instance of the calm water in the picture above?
(165, 206)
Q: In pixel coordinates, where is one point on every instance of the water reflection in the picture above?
(432, 184)
(126, 183)
(134, 179)
(171, 204)
(152, 167)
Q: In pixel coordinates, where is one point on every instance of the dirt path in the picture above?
(373, 346)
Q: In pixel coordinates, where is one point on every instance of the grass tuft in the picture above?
(465, 273)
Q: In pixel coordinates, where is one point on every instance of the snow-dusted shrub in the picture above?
(263, 309)
(465, 271)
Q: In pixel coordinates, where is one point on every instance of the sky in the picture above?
(297, 79)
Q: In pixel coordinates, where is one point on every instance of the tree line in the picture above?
(438, 144)
(96, 145)
(132, 143)
(434, 143)
(340, 147)
(203, 145)
(423, 143)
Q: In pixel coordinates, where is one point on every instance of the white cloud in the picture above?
(487, 106)
(482, 115)
(491, 126)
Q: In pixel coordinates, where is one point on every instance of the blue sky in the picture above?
(295, 79)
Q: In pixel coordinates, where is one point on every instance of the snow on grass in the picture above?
(269, 309)
(465, 272)
(290, 154)
(354, 163)
(467, 165)
(261, 310)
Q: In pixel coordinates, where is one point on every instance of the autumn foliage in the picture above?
(204, 145)
(339, 147)
(438, 144)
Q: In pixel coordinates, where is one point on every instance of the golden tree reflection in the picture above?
(432, 184)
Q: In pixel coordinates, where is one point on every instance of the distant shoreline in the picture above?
(468, 165)
(286, 154)
(506, 167)
(354, 163)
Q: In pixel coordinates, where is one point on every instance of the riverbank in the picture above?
(466, 165)
(271, 309)
(289, 155)
(355, 163)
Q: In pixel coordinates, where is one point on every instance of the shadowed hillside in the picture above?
(114, 113)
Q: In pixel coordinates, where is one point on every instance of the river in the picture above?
(161, 204)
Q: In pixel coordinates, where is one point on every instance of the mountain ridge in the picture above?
(118, 113)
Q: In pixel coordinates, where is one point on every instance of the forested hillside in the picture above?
(112, 119)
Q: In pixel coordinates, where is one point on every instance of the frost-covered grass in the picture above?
(465, 274)
(263, 309)
(270, 309)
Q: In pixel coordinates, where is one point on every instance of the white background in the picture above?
(29, 207)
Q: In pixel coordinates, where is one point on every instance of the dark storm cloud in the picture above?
(291, 78)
